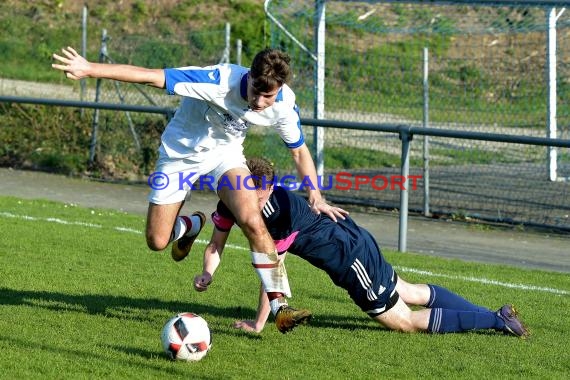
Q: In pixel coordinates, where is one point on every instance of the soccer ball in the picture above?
(186, 337)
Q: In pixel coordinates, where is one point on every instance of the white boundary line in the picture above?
(400, 269)
(51, 220)
(483, 281)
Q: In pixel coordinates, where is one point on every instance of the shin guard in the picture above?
(271, 272)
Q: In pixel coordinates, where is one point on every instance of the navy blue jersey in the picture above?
(348, 253)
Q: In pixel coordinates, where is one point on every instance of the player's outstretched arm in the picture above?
(212, 259)
(263, 310)
(306, 169)
(77, 67)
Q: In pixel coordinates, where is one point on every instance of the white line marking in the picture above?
(483, 281)
(233, 246)
(51, 220)
(126, 229)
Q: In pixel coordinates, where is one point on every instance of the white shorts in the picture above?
(173, 179)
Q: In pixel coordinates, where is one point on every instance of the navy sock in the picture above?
(442, 298)
(449, 321)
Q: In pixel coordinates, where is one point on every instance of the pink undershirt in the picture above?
(284, 244)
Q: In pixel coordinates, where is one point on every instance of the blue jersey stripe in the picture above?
(301, 140)
(175, 76)
(243, 86)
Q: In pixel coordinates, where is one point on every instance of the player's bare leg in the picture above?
(434, 296)
(159, 224)
(164, 225)
(243, 204)
(401, 318)
(413, 294)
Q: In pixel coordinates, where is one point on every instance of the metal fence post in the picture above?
(83, 81)
(319, 132)
(226, 54)
(552, 152)
(406, 137)
(238, 52)
(426, 137)
(95, 128)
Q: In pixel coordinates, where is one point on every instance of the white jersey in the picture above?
(214, 113)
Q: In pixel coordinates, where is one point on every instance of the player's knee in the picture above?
(407, 326)
(155, 242)
(398, 316)
(415, 294)
(252, 225)
(402, 325)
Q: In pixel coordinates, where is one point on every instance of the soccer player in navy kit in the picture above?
(352, 259)
(205, 137)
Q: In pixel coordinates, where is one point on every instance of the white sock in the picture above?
(180, 228)
(272, 272)
(195, 225)
(277, 303)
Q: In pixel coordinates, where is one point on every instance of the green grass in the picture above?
(82, 297)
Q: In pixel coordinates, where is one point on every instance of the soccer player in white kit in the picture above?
(205, 137)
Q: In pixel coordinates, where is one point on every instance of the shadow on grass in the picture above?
(128, 308)
(88, 355)
(341, 322)
(113, 306)
(132, 308)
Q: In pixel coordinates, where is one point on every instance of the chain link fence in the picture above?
(486, 72)
(126, 143)
(200, 49)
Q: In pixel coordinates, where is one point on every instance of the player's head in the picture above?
(263, 176)
(269, 72)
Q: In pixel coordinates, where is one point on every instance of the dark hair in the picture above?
(270, 69)
(262, 172)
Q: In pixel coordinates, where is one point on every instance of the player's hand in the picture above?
(73, 64)
(247, 325)
(332, 211)
(202, 281)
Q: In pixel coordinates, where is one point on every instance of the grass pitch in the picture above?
(82, 297)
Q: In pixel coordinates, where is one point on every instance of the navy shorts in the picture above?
(371, 280)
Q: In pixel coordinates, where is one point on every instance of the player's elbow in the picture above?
(154, 78)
